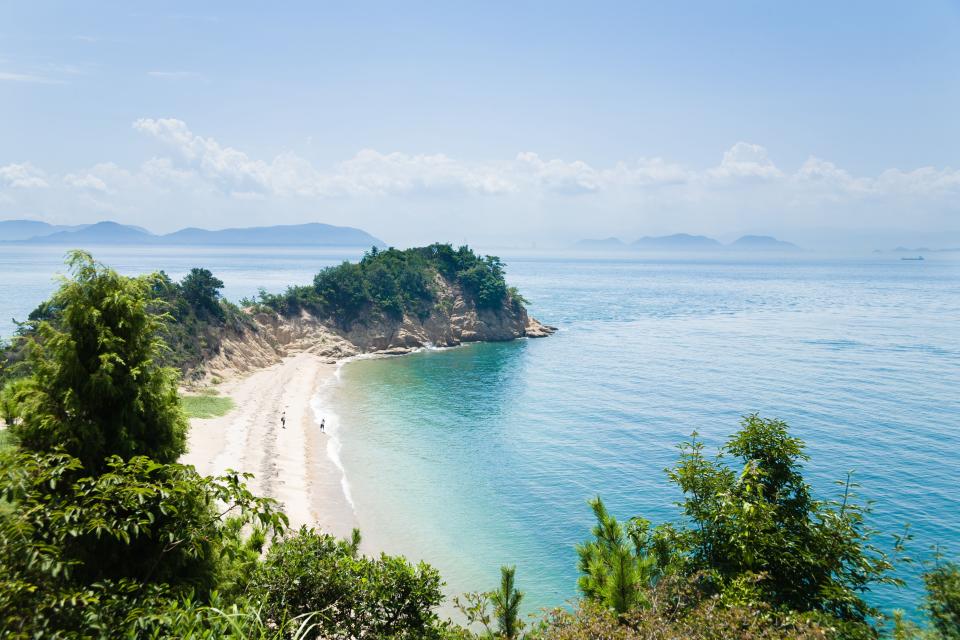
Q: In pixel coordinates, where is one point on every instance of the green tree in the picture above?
(202, 291)
(616, 566)
(342, 289)
(506, 605)
(756, 534)
(95, 386)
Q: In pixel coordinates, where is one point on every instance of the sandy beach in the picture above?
(291, 463)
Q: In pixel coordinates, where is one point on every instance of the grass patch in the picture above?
(205, 406)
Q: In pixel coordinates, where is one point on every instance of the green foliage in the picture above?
(201, 290)
(705, 620)
(139, 527)
(351, 595)
(498, 612)
(95, 387)
(206, 406)
(616, 565)
(392, 282)
(194, 318)
(506, 605)
(758, 533)
(752, 538)
(943, 600)
(9, 400)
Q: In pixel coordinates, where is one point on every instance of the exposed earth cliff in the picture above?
(453, 319)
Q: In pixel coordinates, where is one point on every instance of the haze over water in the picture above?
(485, 455)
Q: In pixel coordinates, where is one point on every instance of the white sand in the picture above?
(289, 464)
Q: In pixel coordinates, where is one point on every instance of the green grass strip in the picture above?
(205, 406)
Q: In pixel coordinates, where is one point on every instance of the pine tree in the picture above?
(614, 571)
(506, 605)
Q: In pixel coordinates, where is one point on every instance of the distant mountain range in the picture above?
(687, 242)
(311, 234)
(14, 230)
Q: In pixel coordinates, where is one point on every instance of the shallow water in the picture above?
(485, 455)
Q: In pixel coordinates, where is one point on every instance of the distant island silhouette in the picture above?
(310, 234)
(688, 242)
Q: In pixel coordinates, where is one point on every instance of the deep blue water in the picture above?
(485, 455)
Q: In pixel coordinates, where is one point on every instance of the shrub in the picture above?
(140, 527)
(352, 596)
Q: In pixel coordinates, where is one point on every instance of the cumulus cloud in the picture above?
(23, 176)
(198, 175)
(745, 160)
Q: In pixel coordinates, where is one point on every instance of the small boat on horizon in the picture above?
(917, 258)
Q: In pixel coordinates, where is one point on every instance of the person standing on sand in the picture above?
(283, 420)
(323, 421)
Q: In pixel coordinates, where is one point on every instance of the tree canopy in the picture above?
(395, 282)
(96, 387)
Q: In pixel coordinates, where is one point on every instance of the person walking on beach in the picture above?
(283, 420)
(323, 421)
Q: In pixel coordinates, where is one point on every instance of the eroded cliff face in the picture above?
(453, 319)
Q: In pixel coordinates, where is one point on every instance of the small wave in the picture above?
(334, 445)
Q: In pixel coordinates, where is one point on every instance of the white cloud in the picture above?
(745, 160)
(201, 181)
(23, 176)
(85, 181)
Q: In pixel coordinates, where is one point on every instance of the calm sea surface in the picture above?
(485, 455)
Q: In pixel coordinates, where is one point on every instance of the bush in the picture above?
(352, 596)
(138, 528)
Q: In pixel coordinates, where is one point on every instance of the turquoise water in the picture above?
(485, 455)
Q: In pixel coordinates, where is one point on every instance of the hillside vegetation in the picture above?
(104, 535)
(395, 282)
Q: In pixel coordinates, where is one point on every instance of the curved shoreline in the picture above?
(298, 465)
(290, 464)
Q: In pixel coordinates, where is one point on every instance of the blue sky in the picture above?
(500, 123)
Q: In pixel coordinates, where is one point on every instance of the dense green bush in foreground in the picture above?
(103, 534)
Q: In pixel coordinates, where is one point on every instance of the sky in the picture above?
(511, 124)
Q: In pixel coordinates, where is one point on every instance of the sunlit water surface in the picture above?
(485, 455)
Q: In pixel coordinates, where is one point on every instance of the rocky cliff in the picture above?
(453, 319)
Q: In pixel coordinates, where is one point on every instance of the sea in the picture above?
(485, 455)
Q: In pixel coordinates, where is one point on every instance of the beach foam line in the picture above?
(318, 404)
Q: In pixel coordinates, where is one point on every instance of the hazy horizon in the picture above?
(832, 127)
